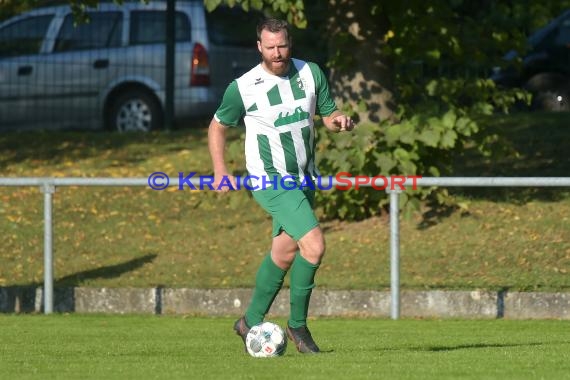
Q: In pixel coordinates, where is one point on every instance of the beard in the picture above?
(280, 67)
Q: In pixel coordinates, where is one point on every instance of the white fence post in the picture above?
(48, 191)
(394, 253)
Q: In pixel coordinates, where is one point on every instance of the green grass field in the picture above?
(143, 347)
(514, 239)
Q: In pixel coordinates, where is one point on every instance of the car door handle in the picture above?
(101, 64)
(25, 70)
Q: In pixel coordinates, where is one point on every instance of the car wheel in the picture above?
(135, 111)
(550, 92)
(551, 101)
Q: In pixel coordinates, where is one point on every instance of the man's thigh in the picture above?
(291, 210)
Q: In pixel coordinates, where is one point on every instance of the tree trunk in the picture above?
(361, 75)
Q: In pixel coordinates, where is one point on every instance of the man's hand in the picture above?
(343, 123)
(225, 180)
(338, 122)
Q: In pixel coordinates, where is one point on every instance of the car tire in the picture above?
(550, 92)
(135, 111)
(551, 101)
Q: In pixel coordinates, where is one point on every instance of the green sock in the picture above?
(268, 282)
(302, 284)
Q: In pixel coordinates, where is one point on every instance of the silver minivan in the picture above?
(110, 72)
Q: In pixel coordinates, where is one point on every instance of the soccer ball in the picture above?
(266, 340)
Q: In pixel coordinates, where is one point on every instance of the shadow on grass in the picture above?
(110, 271)
(435, 214)
(22, 298)
(468, 346)
(474, 346)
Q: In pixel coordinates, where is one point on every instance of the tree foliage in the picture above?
(293, 10)
(440, 54)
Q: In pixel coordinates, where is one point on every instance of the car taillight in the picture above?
(200, 69)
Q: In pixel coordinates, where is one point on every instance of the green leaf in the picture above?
(448, 120)
(463, 125)
(301, 23)
(257, 4)
(434, 171)
(212, 4)
(402, 200)
(385, 162)
(407, 167)
(448, 139)
(412, 205)
(431, 87)
(393, 133)
(430, 137)
(433, 54)
(408, 134)
(401, 154)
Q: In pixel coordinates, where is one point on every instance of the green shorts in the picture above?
(291, 210)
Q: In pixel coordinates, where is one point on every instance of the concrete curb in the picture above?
(224, 302)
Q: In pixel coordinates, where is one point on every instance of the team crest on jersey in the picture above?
(298, 115)
(301, 83)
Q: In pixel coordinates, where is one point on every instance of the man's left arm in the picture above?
(333, 119)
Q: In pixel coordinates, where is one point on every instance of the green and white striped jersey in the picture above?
(278, 115)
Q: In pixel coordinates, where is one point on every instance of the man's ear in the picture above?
(259, 46)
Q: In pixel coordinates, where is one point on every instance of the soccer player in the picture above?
(277, 101)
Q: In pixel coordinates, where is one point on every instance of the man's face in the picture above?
(275, 51)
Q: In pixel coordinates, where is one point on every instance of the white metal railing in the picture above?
(48, 185)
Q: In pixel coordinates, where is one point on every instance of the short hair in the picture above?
(273, 25)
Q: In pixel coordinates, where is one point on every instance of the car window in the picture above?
(149, 27)
(101, 31)
(24, 37)
(232, 26)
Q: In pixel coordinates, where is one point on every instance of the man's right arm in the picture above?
(217, 146)
(229, 113)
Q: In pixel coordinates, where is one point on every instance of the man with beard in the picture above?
(277, 101)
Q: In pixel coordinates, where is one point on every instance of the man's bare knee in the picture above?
(312, 246)
(283, 250)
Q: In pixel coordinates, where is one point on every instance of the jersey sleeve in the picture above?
(325, 102)
(232, 110)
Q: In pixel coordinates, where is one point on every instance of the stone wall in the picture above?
(226, 302)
